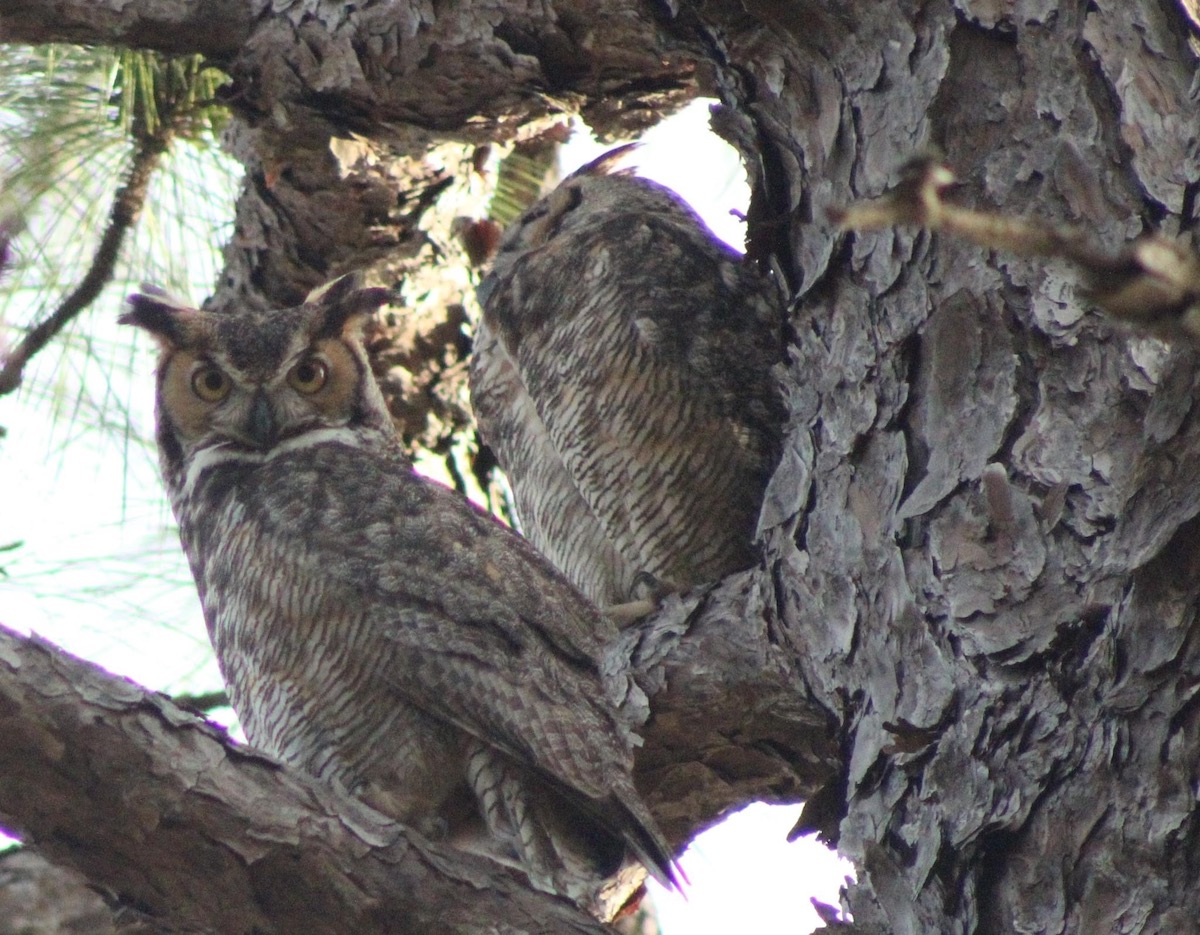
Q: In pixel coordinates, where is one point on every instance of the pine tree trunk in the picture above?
(971, 642)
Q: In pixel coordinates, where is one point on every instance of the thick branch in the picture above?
(398, 70)
(38, 896)
(160, 810)
(730, 721)
(215, 28)
(401, 71)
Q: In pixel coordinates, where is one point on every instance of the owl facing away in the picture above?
(375, 629)
(622, 376)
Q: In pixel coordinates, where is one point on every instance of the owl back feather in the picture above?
(622, 373)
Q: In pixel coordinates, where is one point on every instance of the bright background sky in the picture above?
(100, 572)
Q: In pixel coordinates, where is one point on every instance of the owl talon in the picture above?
(629, 613)
(648, 587)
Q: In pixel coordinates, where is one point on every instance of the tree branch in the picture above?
(122, 216)
(167, 816)
(729, 722)
(399, 70)
(214, 28)
(38, 896)
(1151, 284)
(162, 812)
(203, 701)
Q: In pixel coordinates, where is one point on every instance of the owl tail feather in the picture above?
(647, 844)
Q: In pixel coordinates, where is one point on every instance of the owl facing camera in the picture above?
(374, 628)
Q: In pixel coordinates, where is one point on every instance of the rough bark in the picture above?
(40, 898)
(996, 489)
(215, 28)
(183, 830)
(981, 541)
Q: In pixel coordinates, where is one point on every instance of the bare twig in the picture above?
(9, 226)
(1153, 284)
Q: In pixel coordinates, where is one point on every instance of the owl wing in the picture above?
(646, 349)
(551, 511)
(486, 634)
(443, 608)
(479, 627)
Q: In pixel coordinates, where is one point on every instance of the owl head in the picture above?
(602, 200)
(241, 384)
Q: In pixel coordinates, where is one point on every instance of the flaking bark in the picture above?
(182, 830)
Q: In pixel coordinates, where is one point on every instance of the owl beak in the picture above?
(261, 425)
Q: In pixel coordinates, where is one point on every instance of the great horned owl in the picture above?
(373, 627)
(622, 375)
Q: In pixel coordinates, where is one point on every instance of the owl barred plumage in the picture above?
(622, 374)
(374, 628)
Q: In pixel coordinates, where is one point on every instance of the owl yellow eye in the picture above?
(210, 384)
(309, 375)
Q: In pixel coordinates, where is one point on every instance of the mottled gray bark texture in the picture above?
(183, 831)
(991, 573)
(974, 629)
(38, 897)
(179, 829)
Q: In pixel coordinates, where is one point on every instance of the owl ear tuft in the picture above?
(610, 163)
(344, 302)
(164, 316)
